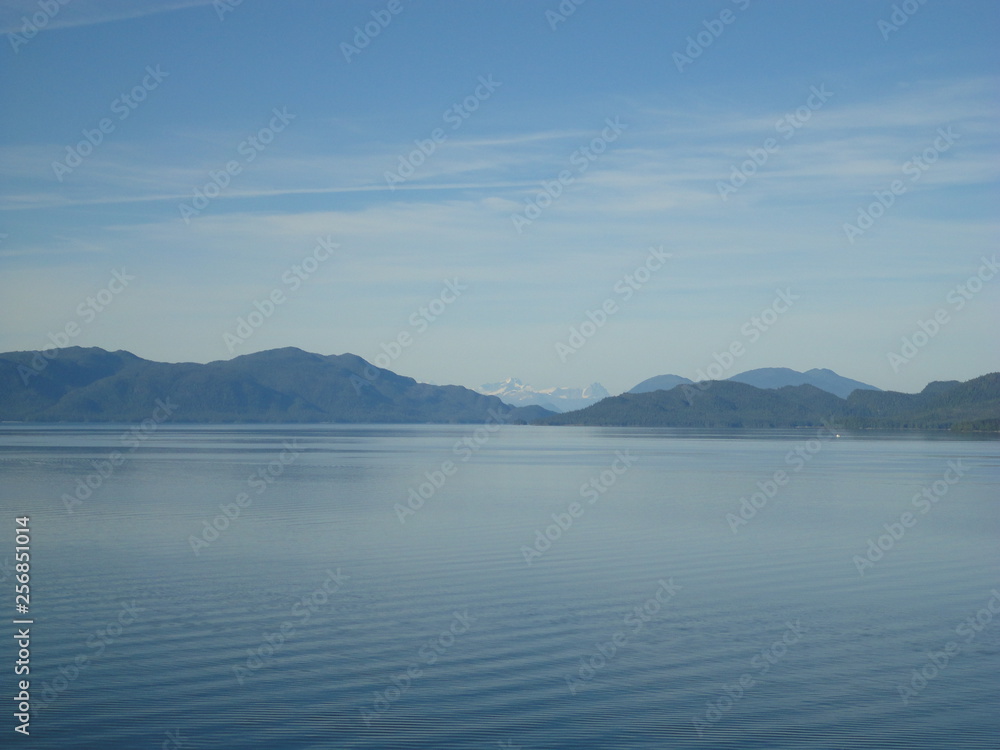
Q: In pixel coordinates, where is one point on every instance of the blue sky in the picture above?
(817, 106)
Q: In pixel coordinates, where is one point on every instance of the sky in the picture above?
(462, 191)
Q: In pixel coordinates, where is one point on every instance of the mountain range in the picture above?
(970, 406)
(769, 377)
(281, 385)
(559, 399)
(293, 386)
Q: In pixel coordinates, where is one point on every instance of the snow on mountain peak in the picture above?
(561, 399)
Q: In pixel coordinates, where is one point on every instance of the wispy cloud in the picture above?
(15, 13)
(847, 146)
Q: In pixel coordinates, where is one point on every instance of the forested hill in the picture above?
(281, 385)
(970, 406)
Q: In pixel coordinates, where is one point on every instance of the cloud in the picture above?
(666, 161)
(652, 187)
(70, 13)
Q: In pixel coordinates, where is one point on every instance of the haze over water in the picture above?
(503, 611)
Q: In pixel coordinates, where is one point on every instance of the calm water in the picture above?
(324, 616)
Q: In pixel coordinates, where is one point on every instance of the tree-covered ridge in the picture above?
(973, 405)
(281, 385)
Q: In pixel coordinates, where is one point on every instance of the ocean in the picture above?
(478, 586)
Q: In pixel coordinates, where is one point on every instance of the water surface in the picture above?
(324, 611)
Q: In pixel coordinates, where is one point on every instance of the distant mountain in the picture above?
(513, 391)
(970, 406)
(973, 405)
(721, 404)
(660, 383)
(290, 385)
(769, 377)
(779, 377)
(280, 385)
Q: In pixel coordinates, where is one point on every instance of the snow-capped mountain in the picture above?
(516, 393)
